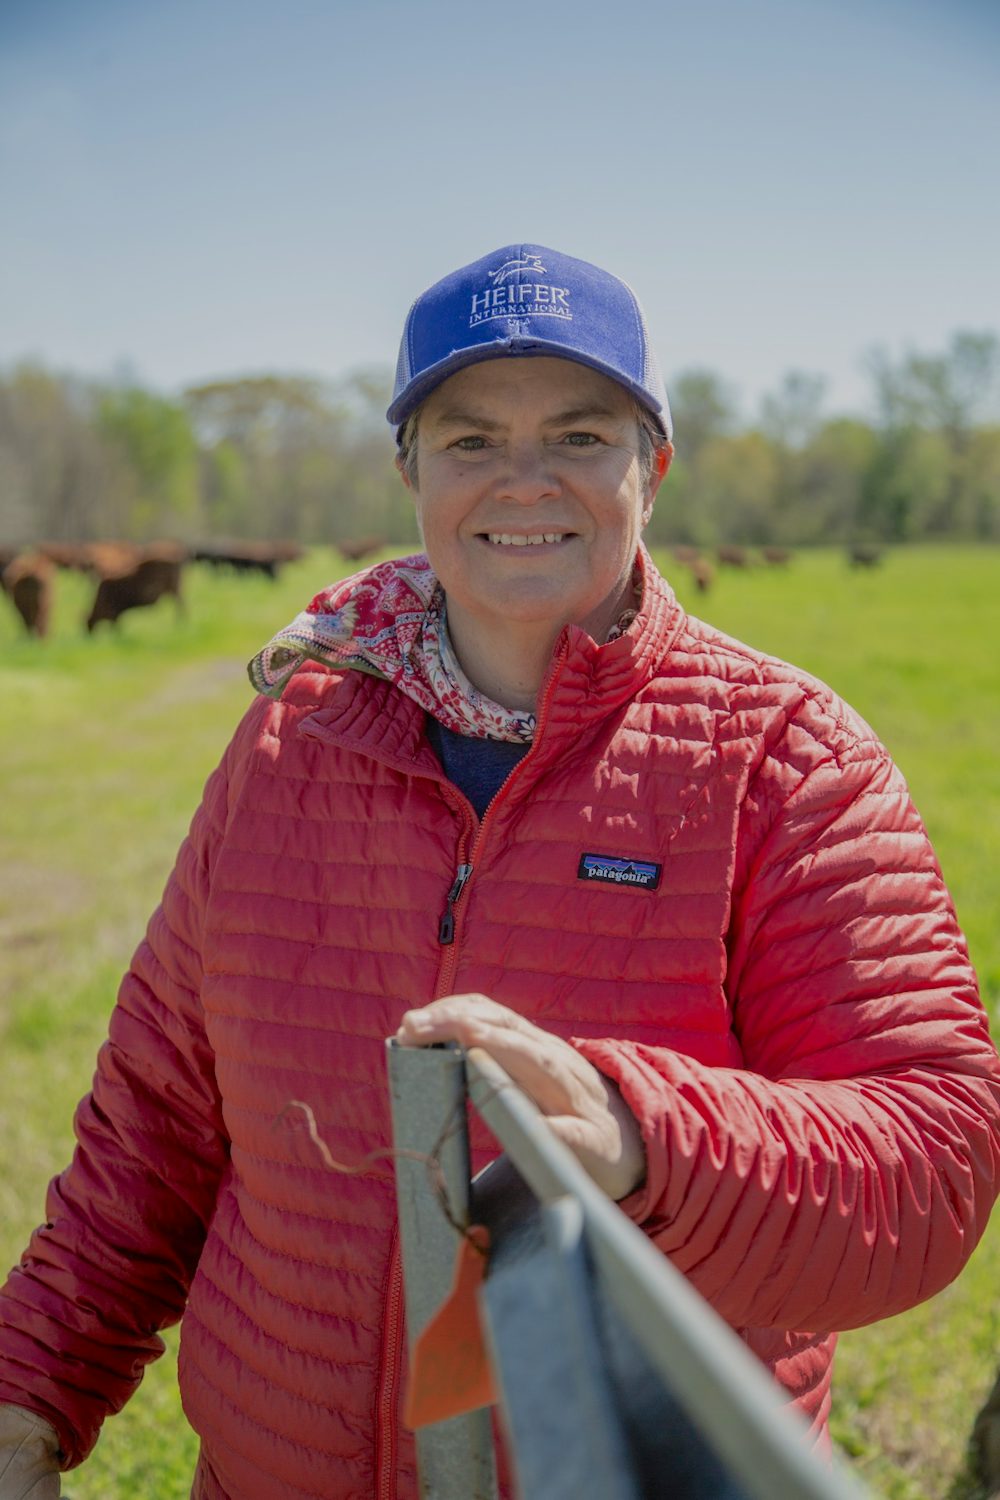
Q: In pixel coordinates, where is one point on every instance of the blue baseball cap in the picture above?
(524, 300)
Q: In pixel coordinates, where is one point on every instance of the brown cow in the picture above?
(733, 557)
(150, 579)
(703, 574)
(110, 559)
(778, 557)
(71, 555)
(28, 583)
(361, 547)
(864, 556)
(287, 552)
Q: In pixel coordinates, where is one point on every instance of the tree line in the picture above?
(296, 457)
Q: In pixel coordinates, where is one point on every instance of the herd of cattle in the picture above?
(702, 568)
(129, 576)
(125, 575)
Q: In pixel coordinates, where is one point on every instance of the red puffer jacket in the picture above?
(790, 1013)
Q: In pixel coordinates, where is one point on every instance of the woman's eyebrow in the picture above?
(582, 414)
(460, 416)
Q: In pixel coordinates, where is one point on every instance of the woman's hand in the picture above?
(583, 1108)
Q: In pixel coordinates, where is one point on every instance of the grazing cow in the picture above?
(150, 579)
(257, 561)
(864, 556)
(703, 574)
(684, 554)
(287, 552)
(778, 557)
(28, 583)
(110, 559)
(733, 557)
(164, 551)
(248, 557)
(362, 547)
(72, 555)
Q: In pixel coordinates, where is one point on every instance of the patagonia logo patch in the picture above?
(615, 870)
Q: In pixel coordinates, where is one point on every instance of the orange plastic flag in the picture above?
(449, 1369)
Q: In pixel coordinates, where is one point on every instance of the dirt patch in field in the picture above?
(195, 683)
(35, 903)
(33, 899)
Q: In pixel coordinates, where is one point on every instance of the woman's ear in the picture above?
(661, 463)
(400, 463)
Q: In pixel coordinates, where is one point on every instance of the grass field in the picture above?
(108, 741)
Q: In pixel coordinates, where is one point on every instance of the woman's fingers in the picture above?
(584, 1108)
(446, 1020)
(549, 1070)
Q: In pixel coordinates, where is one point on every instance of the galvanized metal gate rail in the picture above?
(617, 1381)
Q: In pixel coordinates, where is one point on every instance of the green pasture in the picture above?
(108, 740)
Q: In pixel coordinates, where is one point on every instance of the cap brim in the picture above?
(517, 348)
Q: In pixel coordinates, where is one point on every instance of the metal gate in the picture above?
(614, 1378)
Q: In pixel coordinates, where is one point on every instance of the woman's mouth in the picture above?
(532, 539)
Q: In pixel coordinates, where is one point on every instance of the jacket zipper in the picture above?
(446, 927)
(464, 872)
(388, 1379)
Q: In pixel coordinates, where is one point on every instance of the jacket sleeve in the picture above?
(126, 1221)
(848, 1170)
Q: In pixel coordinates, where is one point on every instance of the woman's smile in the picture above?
(533, 539)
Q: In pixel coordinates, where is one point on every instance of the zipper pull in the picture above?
(446, 929)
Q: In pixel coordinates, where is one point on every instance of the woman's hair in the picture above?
(651, 439)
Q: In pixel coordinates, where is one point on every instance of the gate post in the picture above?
(427, 1088)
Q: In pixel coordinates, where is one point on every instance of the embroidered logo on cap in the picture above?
(617, 871)
(528, 263)
(513, 298)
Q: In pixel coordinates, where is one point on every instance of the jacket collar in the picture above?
(585, 682)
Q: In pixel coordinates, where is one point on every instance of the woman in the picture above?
(508, 792)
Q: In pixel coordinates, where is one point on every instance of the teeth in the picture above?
(504, 539)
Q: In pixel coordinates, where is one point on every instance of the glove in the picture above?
(29, 1456)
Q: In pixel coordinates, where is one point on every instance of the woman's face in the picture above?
(530, 496)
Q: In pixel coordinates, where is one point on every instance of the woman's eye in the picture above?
(581, 439)
(469, 444)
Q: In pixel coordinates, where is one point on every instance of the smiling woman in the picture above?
(508, 792)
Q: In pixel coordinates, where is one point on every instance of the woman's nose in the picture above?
(528, 474)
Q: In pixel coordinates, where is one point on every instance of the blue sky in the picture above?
(199, 188)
